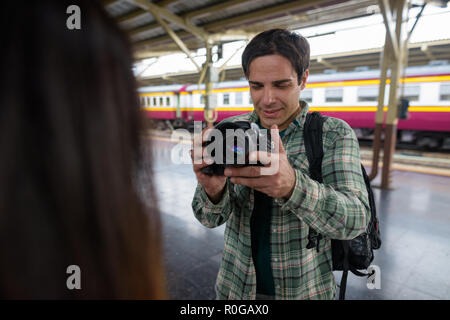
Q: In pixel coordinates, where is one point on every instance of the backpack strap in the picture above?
(312, 135)
(343, 286)
(373, 228)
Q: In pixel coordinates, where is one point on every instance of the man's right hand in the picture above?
(212, 184)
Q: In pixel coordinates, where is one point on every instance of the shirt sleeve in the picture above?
(338, 207)
(209, 214)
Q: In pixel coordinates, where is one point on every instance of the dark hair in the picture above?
(290, 45)
(71, 159)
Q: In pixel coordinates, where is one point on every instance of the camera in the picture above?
(232, 144)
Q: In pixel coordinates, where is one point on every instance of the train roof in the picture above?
(371, 74)
(325, 77)
(220, 85)
(167, 88)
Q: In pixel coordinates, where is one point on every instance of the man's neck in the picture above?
(291, 118)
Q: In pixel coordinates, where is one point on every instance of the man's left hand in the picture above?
(276, 178)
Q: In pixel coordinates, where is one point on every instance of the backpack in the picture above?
(347, 255)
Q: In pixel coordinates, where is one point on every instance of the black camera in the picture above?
(232, 145)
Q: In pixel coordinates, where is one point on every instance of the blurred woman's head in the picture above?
(71, 159)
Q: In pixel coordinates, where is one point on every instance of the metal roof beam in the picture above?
(326, 63)
(224, 65)
(108, 2)
(131, 15)
(264, 12)
(139, 12)
(159, 12)
(257, 14)
(177, 40)
(141, 55)
(214, 8)
(139, 75)
(189, 15)
(156, 11)
(390, 25)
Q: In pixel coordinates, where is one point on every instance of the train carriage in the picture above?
(351, 96)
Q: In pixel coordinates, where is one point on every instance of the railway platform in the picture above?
(414, 221)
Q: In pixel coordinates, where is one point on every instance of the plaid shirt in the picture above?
(338, 208)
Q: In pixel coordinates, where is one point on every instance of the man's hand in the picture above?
(212, 184)
(275, 183)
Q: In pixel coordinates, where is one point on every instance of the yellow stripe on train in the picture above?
(321, 84)
(329, 109)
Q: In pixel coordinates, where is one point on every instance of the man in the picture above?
(268, 216)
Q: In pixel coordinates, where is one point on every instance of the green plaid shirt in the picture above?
(338, 208)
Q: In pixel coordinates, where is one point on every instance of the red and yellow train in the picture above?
(351, 96)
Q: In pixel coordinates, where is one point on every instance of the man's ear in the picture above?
(304, 78)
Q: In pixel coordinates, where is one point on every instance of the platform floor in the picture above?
(414, 219)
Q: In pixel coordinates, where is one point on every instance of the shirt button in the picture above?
(275, 259)
(274, 230)
(278, 286)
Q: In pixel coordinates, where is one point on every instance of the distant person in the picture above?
(73, 169)
(268, 217)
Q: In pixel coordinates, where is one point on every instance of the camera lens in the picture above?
(235, 149)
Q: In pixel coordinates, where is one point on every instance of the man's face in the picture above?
(274, 89)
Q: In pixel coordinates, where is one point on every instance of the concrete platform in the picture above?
(414, 219)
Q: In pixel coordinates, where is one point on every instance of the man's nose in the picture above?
(268, 97)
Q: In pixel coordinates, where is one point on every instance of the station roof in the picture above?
(221, 21)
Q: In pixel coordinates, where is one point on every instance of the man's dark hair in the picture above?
(290, 45)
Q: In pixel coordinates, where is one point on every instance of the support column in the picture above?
(386, 58)
(392, 114)
(210, 112)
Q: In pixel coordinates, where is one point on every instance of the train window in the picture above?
(333, 94)
(306, 95)
(161, 101)
(154, 101)
(368, 93)
(444, 91)
(202, 99)
(226, 98)
(147, 101)
(250, 101)
(167, 101)
(411, 92)
(238, 98)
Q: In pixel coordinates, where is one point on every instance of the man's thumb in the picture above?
(277, 144)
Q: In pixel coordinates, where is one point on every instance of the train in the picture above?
(350, 96)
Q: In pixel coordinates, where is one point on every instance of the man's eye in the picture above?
(256, 87)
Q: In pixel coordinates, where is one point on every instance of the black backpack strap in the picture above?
(312, 135)
(345, 268)
(373, 228)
